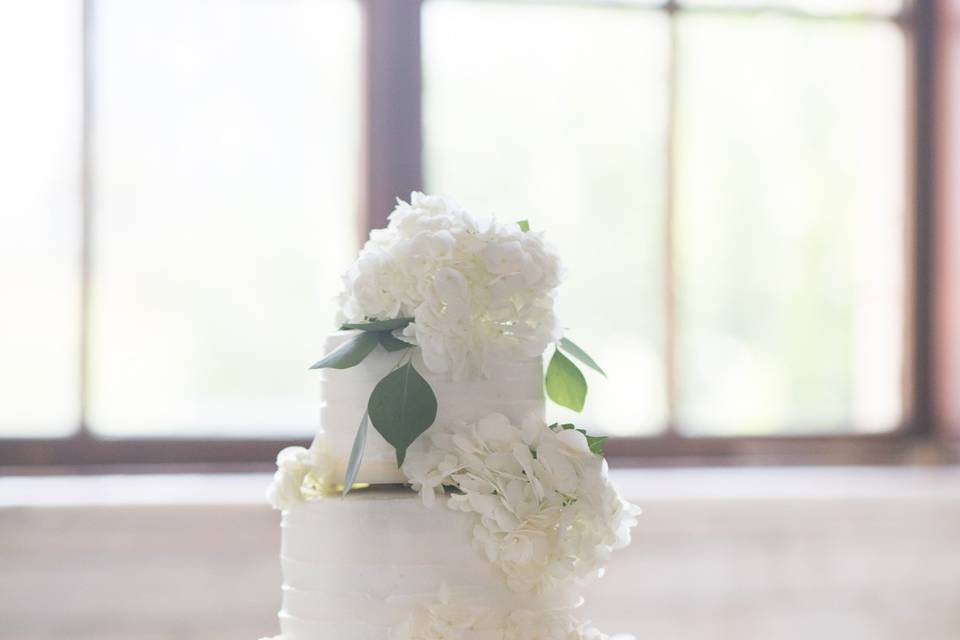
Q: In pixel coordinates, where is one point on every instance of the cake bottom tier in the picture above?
(374, 565)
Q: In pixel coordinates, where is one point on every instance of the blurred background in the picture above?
(757, 202)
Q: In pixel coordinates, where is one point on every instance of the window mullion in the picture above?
(669, 224)
(923, 77)
(86, 208)
(392, 120)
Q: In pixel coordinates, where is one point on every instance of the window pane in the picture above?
(562, 122)
(40, 126)
(790, 225)
(816, 7)
(225, 210)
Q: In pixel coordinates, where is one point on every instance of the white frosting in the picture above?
(356, 567)
(513, 389)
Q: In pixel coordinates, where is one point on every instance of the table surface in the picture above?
(725, 483)
(720, 554)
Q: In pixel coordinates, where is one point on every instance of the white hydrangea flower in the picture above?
(479, 291)
(300, 473)
(441, 619)
(445, 619)
(552, 625)
(547, 513)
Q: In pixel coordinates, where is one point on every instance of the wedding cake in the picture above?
(436, 501)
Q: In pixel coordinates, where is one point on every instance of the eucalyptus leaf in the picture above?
(570, 347)
(350, 353)
(379, 325)
(524, 225)
(391, 343)
(565, 382)
(402, 406)
(596, 443)
(356, 454)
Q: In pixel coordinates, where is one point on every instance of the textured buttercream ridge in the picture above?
(359, 566)
(391, 609)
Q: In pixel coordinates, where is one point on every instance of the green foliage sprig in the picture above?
(564, 381)
(377, 326)
(356, 454)
(402, 405)
(353, 352)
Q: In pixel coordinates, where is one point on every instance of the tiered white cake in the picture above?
(495, 517)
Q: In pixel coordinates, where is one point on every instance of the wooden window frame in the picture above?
(392, 164)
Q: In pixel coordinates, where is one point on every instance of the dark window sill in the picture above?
(86, 454)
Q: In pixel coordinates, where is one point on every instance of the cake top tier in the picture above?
(477, 291)
(442, 301)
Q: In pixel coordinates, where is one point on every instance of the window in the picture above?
(727, 186)
(566, 128)
(175, 277)
(737, 187)
(224, 164)
(40, 217)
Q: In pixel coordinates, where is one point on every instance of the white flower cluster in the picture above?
(547, 512)
(301, 473)
(479, 291)
(447, 620)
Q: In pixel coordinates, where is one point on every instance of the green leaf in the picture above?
(402, 406)
(581, 355)
(565, 383)
(356, 455)
(594, 443)
(391, 343)
(350, 353)
(379, 325)
(524, 225)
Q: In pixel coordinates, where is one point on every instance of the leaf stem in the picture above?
(405, 354)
